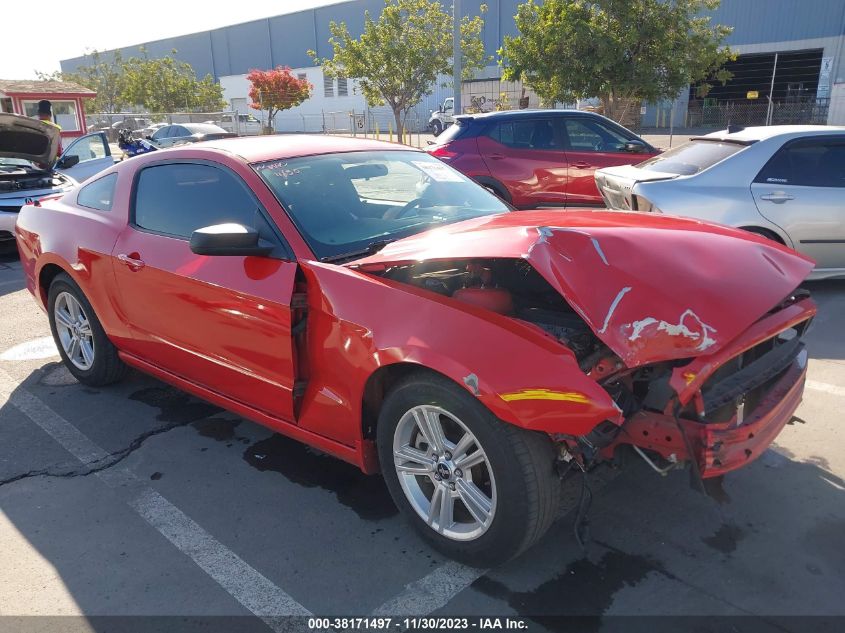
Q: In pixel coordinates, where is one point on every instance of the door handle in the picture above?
(777, 197)
(582, 165)
(496, 156)
(131, 262)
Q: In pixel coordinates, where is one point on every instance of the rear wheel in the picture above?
(83, 345)
(479, 490)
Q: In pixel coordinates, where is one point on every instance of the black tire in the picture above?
(106, 367)
(527, 485)
(436, 127)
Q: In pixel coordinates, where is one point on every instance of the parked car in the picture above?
(471, 354)
(534, 158)
(145, 133)
(786, 183)
(443, 117)
(181, 133)
(246, 125)
(30, 169)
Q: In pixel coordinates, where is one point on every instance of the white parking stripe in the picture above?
(433, 591)
(826, 387)
(245, 584)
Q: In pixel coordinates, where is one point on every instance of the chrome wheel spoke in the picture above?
(73, 348)
(63, 318)
(478, 504)
(473, 459)
(73, 308)
(447, 508)
(85, 329)
(87, 351)
(434, 507)
(466, 442)
(429, 422)
(412, 460)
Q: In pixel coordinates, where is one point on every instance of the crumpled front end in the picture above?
(722, 411)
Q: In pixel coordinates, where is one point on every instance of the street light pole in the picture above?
(456, 54)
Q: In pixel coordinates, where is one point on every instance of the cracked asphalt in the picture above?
(139, 500)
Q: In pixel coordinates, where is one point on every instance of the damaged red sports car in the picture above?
(369, 300)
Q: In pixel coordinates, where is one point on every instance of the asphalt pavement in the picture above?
(137, 499)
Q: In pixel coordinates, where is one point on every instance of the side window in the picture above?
(99, 194)
(88, 148)
(179, 198)
(526, 134)
(178, 130)
(585, 135)
(162, 132)
(816, 162)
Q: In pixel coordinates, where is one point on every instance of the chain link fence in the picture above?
(719, 116)
(145, 124)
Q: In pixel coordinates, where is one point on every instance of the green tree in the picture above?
(275, 90)
(105, 75)
(399, 56)
(166, 84)
(621, 51)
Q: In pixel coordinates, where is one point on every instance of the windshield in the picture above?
(350, 203)
(692, 157)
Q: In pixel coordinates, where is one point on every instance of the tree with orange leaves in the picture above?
(276, 90)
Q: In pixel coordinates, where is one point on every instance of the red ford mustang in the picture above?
(369, 300)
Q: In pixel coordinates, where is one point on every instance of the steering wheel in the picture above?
(409, 206)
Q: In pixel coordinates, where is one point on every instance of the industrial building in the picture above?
(790, 49)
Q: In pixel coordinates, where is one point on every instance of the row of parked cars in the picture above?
(786, 183)
(392, 313)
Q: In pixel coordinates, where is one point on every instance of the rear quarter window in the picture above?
(99, 194)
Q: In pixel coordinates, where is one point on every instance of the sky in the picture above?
(38, 38)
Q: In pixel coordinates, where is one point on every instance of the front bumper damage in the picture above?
(730, 407)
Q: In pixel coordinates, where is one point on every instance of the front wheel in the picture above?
(479, 490)
(436, 127)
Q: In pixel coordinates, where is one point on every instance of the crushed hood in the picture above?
(28, 139)
(651, 287)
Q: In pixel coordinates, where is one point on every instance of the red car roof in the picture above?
(255, 149)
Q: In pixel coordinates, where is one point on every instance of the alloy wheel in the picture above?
(444, 473)
(74, 330)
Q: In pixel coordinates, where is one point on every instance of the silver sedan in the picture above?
(785, 182)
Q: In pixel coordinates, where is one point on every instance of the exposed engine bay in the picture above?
(23, 178)
(514, 288)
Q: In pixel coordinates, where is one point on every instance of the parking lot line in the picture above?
(433, 591)
(826, 387)
(245, 584)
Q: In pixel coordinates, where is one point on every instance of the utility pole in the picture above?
(456, 54)
(771, 109)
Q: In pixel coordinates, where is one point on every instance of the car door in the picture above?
(222, 322)
(86, 156)
(161, 137)
(591, 144)
(526, 155)
(802, 190)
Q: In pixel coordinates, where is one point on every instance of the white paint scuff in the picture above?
(681, 329)
(612, 309)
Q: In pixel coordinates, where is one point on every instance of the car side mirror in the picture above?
(229, 239)
(635, 147)
(149, 137)
(66, 162)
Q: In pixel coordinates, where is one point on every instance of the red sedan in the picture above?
(539, 158)
(371, 301)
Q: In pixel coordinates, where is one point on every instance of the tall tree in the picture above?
(105, 75)
(166, 84)
(276, 90)
(399, 57)
(619, 50)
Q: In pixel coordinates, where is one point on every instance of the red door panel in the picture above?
(533, 176)
(221, 322)
(582, 169)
